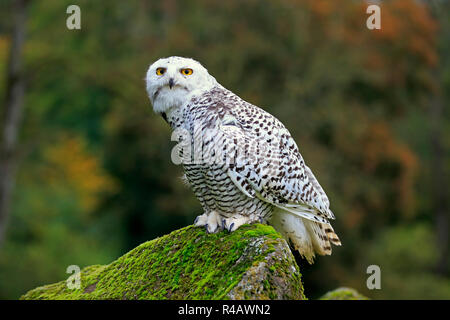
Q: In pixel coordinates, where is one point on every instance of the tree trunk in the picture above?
(12, 113)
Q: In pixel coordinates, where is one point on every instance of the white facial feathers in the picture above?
(170, 86)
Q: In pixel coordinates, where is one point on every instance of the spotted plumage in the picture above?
(241, 162)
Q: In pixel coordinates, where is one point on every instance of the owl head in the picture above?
(174, 80)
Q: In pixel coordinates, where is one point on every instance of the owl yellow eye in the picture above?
(186, 72)
(160, 71)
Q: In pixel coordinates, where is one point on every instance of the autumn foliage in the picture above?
(96, 172)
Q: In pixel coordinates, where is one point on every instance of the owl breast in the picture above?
(217, 192)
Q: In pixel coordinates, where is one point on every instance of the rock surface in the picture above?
(253, 262)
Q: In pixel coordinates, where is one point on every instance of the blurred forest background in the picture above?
(91, 165)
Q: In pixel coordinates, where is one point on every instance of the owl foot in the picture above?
(211, 221)
(233, 223)
(201, 220)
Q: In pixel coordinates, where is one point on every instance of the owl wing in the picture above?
(270, 167)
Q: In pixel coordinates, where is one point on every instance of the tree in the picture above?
(15, 89)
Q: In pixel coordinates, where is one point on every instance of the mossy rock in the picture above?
(253, 262)
(343, 294)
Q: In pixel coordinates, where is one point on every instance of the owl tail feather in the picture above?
(306, 236)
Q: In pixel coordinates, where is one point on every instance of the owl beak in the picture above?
(171, 83)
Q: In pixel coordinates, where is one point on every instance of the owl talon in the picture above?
(235, 222)
(201, 220)
(212, 221)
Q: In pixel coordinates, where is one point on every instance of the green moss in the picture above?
(191, 264)
(263, 230)
(343, 294)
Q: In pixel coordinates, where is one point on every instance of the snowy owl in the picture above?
(240, 161)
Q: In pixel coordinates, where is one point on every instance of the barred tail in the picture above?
(306, 236)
